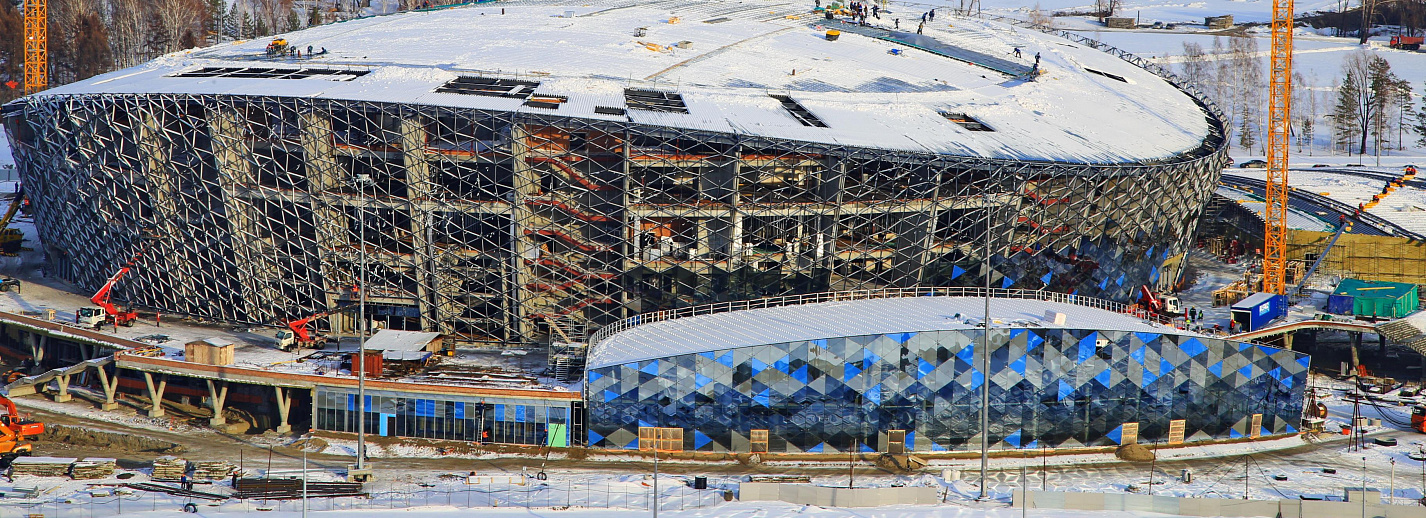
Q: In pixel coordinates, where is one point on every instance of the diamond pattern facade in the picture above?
(1048, 388)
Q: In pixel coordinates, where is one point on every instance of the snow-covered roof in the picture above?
(1296, 219)
(873, 87)
(395, 340)
(720, 331)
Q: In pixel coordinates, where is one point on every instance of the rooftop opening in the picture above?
(490, 87)
(1115, 77)
(966, 121)
(608, 110)
(719, 19)
(799, 112)
(654, 101)
(330, 74)
(551, 102)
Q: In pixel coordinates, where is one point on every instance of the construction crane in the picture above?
(36, 45)
(1279, 126)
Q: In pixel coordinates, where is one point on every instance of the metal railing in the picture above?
(883, 293)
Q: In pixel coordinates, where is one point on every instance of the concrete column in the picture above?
(1287, 341)
(217, 394)
(110, 384)
(418, 190)
(526, 184)
(1356, 355)
(284, 405)
(155, 393)
(1381, 343)
(37, 346)
(63, 396)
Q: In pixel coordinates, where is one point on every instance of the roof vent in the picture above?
(1118, 78)
(799, 112)
(608, 110)
(329, 74)
(490, 87)
(966, 121)
(654, 101)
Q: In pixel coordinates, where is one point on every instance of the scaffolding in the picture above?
(520, 227)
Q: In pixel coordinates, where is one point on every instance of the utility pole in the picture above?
(656, 479)
(1152, 462)
(362, 182)
(1245, 476)
(304, 482)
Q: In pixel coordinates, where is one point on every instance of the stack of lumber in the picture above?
(213, 469)
(169, 467)
(42, 466)
(92, 468)
(291, 489)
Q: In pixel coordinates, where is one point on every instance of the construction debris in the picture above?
(169, 467)
(42, 466)
(92, 468)
(170, 490)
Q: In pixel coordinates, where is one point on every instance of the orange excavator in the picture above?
(13, 430)
(296, 336)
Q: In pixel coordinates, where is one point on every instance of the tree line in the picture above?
(1369, 110)
(91, 37)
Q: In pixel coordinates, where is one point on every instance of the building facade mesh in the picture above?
(515, 227)
(1055, 388)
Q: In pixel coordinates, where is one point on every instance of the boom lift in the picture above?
(13, 430)
(104, 312)
(1159, 302)
(296, 336)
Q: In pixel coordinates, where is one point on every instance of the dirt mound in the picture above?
(80, 436)
(1134, 453)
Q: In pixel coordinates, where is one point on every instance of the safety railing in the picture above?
(882, 293)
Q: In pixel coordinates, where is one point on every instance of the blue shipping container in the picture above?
(1256, 311)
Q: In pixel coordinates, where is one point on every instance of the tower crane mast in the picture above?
(1279, 127)
(36, 45)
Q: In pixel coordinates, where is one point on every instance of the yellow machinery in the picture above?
(36, 46)
(11, 238)
(1279, 126)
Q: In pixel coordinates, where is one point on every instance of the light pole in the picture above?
(362, 181)
(985, 355)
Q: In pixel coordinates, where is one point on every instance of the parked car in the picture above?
(1254, 164)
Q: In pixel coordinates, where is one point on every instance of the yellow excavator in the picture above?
(11, 238)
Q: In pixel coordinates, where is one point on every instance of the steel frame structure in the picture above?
(497, 226)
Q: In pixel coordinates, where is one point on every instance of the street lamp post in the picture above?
(985, 355)
(362, 181)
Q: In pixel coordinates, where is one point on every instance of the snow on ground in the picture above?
(1405, 206)
(1296, 219)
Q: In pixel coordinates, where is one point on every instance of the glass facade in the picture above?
(1048, 387)
(449, 417)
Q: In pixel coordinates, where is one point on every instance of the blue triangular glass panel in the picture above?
(1065, 391)
(1018, 365)
(849, 371)
(923, 368)
(610, 395)
(782, 363)
(1103, 377)
(763, 398)
(1246, 371)
(726, 359)
(651, 368)
(1116, 435)
(699, 439)
(1032, 341)
(1046, 278)
(633, 445)
(800, 374)
(1087, 347)
(757, 366)
(957, 271)
(594, 376)
(1005, 282)
(1013, 439)
(967, 353)
(1192, 347)
(1216, 369)
(873, 394)
(819, 448)
(1137, 355)
(1234, 434)
(700, 380)
(976, 378)
(1104, 283)
(594, 438)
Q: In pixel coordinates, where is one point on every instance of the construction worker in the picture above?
(1017, 52)
(920, 27)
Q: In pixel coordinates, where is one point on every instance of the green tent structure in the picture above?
(1378, 299)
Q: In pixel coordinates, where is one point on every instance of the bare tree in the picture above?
(1041, 19)
(1196, 68)
(129, 32)
(177, 17)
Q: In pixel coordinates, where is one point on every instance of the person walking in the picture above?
(920, 27)
(876, 11)
(933, 15)
(1017, 52)
(898, 23)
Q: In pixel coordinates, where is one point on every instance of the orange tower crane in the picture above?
(1279, 126)
(36, 45)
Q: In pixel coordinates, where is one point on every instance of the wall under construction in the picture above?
(494, 226)
(1359, 256)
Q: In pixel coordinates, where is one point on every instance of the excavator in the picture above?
(296, 336)
(13, 430)
(11, 238)
(104, 312)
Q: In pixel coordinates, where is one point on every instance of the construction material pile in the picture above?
(213, 469)
(92, 468)
(169, 467)
(42, 466)
(291, 489)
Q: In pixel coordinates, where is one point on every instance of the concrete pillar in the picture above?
(217, 394)
(155, 393)
(1356, 355)
(37, 346)
(63, 396)
(1381, 343)
(110, 384)
(284, 405)
(1287, 341)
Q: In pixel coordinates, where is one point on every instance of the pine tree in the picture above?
(294, 21)
(314, 17)
(12, 50)
(91, 47)
(246, 26)
(1345, 112)
(1246, 138)
(217, 15)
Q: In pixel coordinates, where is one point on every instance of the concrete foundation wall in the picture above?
(837, 496)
